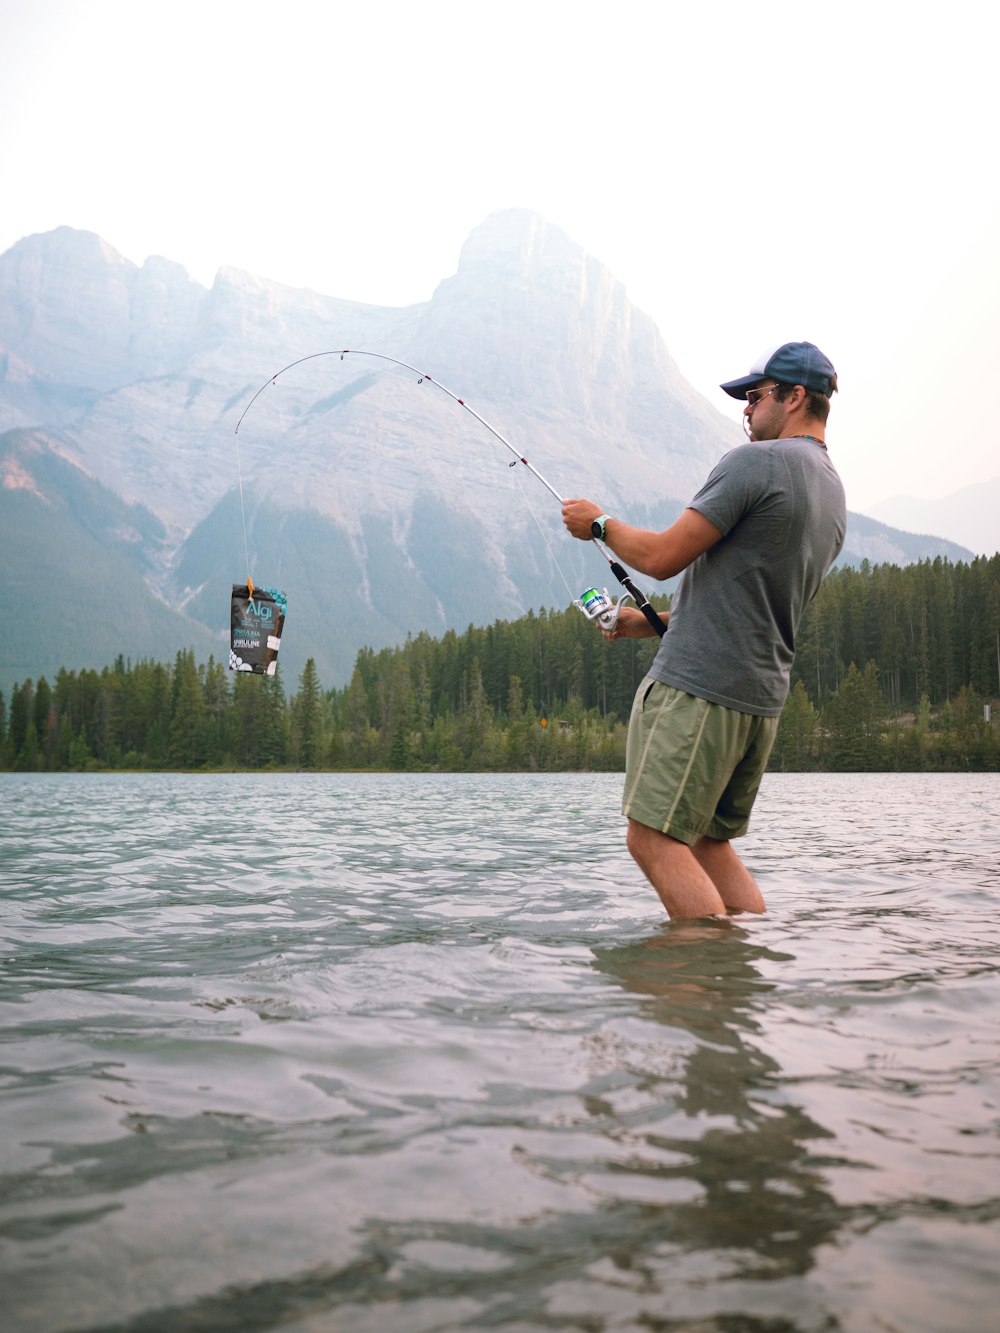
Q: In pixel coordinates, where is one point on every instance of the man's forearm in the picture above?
(642, 549)
(660, 555)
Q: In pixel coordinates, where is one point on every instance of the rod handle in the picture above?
(641, 600)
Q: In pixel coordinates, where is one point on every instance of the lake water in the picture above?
(394, 1054)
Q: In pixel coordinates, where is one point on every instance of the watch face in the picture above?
(597, 528)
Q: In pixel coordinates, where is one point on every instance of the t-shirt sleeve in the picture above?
(733, 486)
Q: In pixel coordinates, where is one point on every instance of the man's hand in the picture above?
(632, 624)
(578, 515)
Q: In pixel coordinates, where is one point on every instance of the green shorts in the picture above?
(692, 768)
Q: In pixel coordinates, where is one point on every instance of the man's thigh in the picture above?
(692, 768)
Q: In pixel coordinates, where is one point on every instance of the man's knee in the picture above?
(633, 836)
(638, 837)
(643, 840)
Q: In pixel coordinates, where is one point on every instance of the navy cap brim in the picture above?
(738, 388)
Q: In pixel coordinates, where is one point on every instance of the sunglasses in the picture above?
(753, 396)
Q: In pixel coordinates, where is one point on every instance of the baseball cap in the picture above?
(791, 363)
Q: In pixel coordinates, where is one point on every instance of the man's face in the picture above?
(764, 417)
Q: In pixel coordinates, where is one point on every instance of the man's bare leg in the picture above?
(708, 879)
(737, 887)
(685, 889)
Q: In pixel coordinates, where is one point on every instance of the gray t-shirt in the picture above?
(779, 505)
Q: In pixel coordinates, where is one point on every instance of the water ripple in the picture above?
(421, 1053)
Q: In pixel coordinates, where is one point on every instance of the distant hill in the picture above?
(970, 515)
(376, 503)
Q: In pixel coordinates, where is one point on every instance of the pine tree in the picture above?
(795, 744)
(187, 715)
(20, 718)
(273, 730)
(855, 716)
(30, 758)
(41, 707)
(308, 732)
(215, 694)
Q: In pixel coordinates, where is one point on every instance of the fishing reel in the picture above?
(600, 607)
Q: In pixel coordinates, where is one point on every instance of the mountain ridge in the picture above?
(972, 511)
(362, 487)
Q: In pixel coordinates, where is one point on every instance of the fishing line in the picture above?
(243, 514)
(541, 532)
(595, 605)
(256, 615)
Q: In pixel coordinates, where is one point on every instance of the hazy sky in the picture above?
(751, 173)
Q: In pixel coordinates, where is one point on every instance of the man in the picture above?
(754, 545)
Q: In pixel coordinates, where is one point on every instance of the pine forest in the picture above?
(896, 669)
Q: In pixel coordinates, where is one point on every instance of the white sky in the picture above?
(752, 173)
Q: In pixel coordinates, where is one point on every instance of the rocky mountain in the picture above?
(79, 580)
(375, 501)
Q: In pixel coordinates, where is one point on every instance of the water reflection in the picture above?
(746, 1145)
(472, 1113)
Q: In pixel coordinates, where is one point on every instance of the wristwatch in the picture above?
(598, 526)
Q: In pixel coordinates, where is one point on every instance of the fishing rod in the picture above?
(596, 605)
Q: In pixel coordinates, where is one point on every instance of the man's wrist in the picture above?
(599, 525)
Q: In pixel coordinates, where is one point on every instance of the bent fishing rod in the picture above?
(596, 605)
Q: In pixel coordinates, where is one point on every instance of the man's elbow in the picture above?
(657, 570)
(664, 566)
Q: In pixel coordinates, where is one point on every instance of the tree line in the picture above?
(893, 669)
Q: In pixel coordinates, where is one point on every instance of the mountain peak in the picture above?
(67, 246)
(514, 241)
(516, 251)
(87, 319)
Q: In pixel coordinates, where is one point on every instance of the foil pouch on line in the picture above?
(257, 620)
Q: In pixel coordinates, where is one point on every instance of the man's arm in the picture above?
(658, 554)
